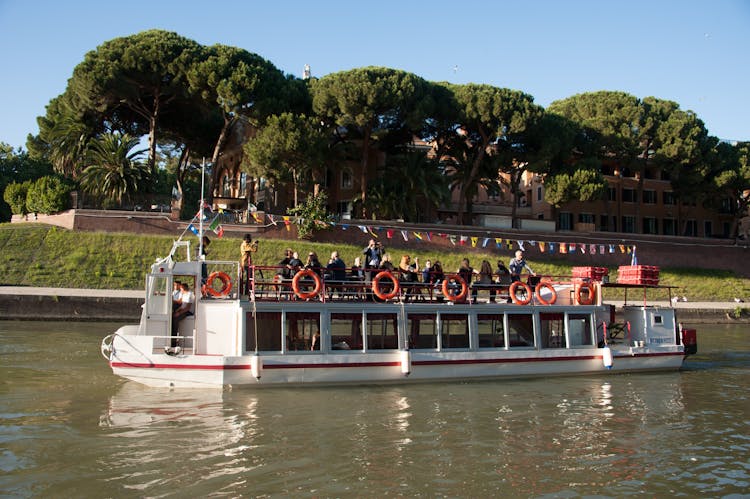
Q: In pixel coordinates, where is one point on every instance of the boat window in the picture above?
(346, 331)
(521, 330)
(269, 325)
(382, 331)
(454, 330)
(658, 319)
(422, 330)
(159, 297)
(579, 330)
(302, 331)
(552, 330)
(491, 330)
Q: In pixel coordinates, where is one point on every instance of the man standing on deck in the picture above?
(517, 265)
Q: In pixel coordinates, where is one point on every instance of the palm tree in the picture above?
(113, 170)
(409, 186)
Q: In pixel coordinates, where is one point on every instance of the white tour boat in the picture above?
(312, 330)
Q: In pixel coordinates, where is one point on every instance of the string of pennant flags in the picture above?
(552, 247)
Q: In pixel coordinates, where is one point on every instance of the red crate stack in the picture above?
(590, 273)
(642, 275)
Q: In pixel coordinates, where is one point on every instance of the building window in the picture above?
(566, 221)
(650, 226)
(243, 186)
(603, 225)
(226, 187)
(346, 178)
(344, 209)
(611, 194)
(668, 198)
(669, 227)
(649, 197)
(630, 195)
(539, 194)
(725, 229)
(691, 228)
(708, 230)
(614, 223)
(586, 218)
(628, 224)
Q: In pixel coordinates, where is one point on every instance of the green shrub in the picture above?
(48, 195)
(15, 195)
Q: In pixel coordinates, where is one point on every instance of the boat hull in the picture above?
(217, 371)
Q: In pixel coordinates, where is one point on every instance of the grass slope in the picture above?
(38, 255)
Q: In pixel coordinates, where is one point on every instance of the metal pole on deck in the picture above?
(200, 211)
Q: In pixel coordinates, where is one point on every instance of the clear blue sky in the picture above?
(692, 52)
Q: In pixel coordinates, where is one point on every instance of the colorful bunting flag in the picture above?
(389, 233)
(452, 239)
(541, 246)
(485, 242)
(193, 229)
(405, 235)
(474, 241)
(463, 240)
(520, 245)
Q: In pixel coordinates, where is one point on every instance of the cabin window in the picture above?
(552, 330)
(579, 330)
(159, 297)
(422, 331)
(346, 331)
(658, 319)
(269, 325)
(382, 331)
(454, 330)
(521, 330)
(302, 331)
(491, 330)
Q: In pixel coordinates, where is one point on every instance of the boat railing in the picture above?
(275, 283)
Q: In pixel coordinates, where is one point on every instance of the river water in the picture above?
(69, 428)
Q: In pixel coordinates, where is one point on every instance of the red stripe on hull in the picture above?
(381, 364)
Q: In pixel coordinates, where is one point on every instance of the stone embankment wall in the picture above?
(66, 308)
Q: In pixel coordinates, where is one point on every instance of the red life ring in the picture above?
(302, 274)
(527, 289)
(376, 286)
(226, 284)
(545, 285)
(459, 280)
(589, 296)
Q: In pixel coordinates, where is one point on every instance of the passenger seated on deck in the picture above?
(176, 292)
(187, 299)
(483, 281)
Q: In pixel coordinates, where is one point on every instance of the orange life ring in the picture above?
(514, 287)
(302, 274)
(376, 286)
(226, 284)
(459, 280)
(589, 296)
(551, 288)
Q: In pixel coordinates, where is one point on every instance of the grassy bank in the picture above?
(34, 255)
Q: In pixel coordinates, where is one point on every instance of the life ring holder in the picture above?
(545, 285)
(376, 285)
(458, 280)
(589, 296)
(226, 284)
(296, 284)
(514, 287)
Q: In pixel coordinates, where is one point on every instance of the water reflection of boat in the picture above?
(309, 330)
(135, 405)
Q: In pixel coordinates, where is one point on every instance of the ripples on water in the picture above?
(68, 427)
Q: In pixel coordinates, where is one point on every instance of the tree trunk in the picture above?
(228, 122)
(152, 123)
(363, 175)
